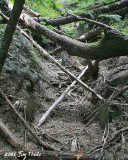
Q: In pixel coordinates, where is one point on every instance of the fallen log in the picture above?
(106, 48)
(8, 135)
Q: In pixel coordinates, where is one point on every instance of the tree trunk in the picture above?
(11, 26)
(113, 44)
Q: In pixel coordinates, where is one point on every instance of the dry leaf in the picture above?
(78, 155)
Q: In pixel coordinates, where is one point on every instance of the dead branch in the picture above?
(90, 34)
(119, 92)
(57, 50)
(40, 142)
(111, 141)
(31, 12)
(99, 24)
(46, 114)
(8, 135)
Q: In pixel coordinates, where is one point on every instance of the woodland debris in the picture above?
(40, 142)
(46, 114)
(119, 92)
(112, 141)
(59, 65)
(8, 135)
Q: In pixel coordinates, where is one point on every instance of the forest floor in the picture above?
(65, 123)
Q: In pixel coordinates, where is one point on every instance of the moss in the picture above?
(97, 43)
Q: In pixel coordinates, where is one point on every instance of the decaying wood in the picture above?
(8, 135)
(40, 142)
(82, 38)
(46, 114)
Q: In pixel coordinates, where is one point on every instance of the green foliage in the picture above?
(122, 25)
(82, 6)
(45, 7)
(113, 17)
(12, 1)
(70, 30)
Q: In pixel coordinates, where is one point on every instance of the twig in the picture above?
(104, 26)
(25, 142)
(51, 138)
(92, 119)
(119, 92)
(105, 137)
(40, 142)
(113, 139)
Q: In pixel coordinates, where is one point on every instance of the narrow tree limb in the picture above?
(8, 135)
(57, 50)
(99, 24)
(31, 12)
(2, 21)
(90, 34)
(46, 114)
(40, 142)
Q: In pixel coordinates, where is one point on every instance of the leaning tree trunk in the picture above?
(11, 26)
(113, 44)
